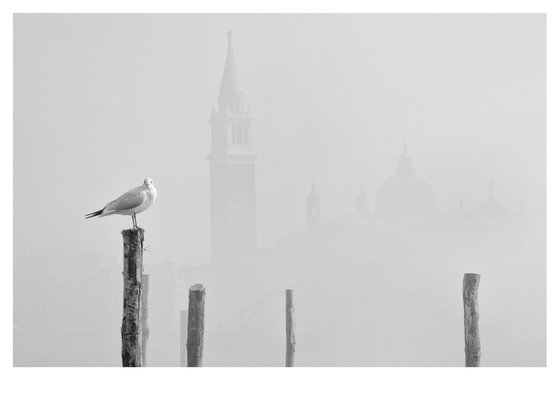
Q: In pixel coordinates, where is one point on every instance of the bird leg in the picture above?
(134, 225)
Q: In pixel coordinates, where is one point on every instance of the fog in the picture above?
(394, 153)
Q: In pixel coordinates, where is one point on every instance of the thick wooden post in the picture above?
(195, 332)
(144, 317)
(470, 304)
(183, 337)
(131, 330)
(290, 328)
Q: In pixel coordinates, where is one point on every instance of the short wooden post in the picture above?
(470, 304)
(195, 332)
(290, 328)
(144, 317)
(183, 337)
(131, 329)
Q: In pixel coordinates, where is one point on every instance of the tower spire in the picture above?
(230, 95)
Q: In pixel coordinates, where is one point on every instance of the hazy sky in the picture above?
(102, 101)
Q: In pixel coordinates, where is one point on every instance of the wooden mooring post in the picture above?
(290, 328)
(183, 318)
(470, 304)
(144, 317)
(131, 329)
(195, 331)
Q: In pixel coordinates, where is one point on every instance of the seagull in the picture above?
(134, 201)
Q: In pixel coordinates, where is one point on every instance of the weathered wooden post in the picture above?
(195, 331)
(470, 304)
(183, 337)
(144, 317)
(131, 329)
(290, 328)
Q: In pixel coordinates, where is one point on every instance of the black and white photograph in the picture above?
(306, 190)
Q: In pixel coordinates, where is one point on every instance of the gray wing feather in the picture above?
(128, 200)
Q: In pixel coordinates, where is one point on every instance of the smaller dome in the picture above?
(406, 195)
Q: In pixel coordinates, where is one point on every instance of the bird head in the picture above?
(148, 182)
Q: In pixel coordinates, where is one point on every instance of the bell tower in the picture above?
(232, 171)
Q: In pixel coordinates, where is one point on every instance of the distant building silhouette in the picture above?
(232, 170)
(403, 199)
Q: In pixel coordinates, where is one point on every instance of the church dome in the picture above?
(406, 195)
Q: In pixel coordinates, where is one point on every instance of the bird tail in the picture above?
(93, 214)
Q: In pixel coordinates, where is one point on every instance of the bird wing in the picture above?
(129, 200)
